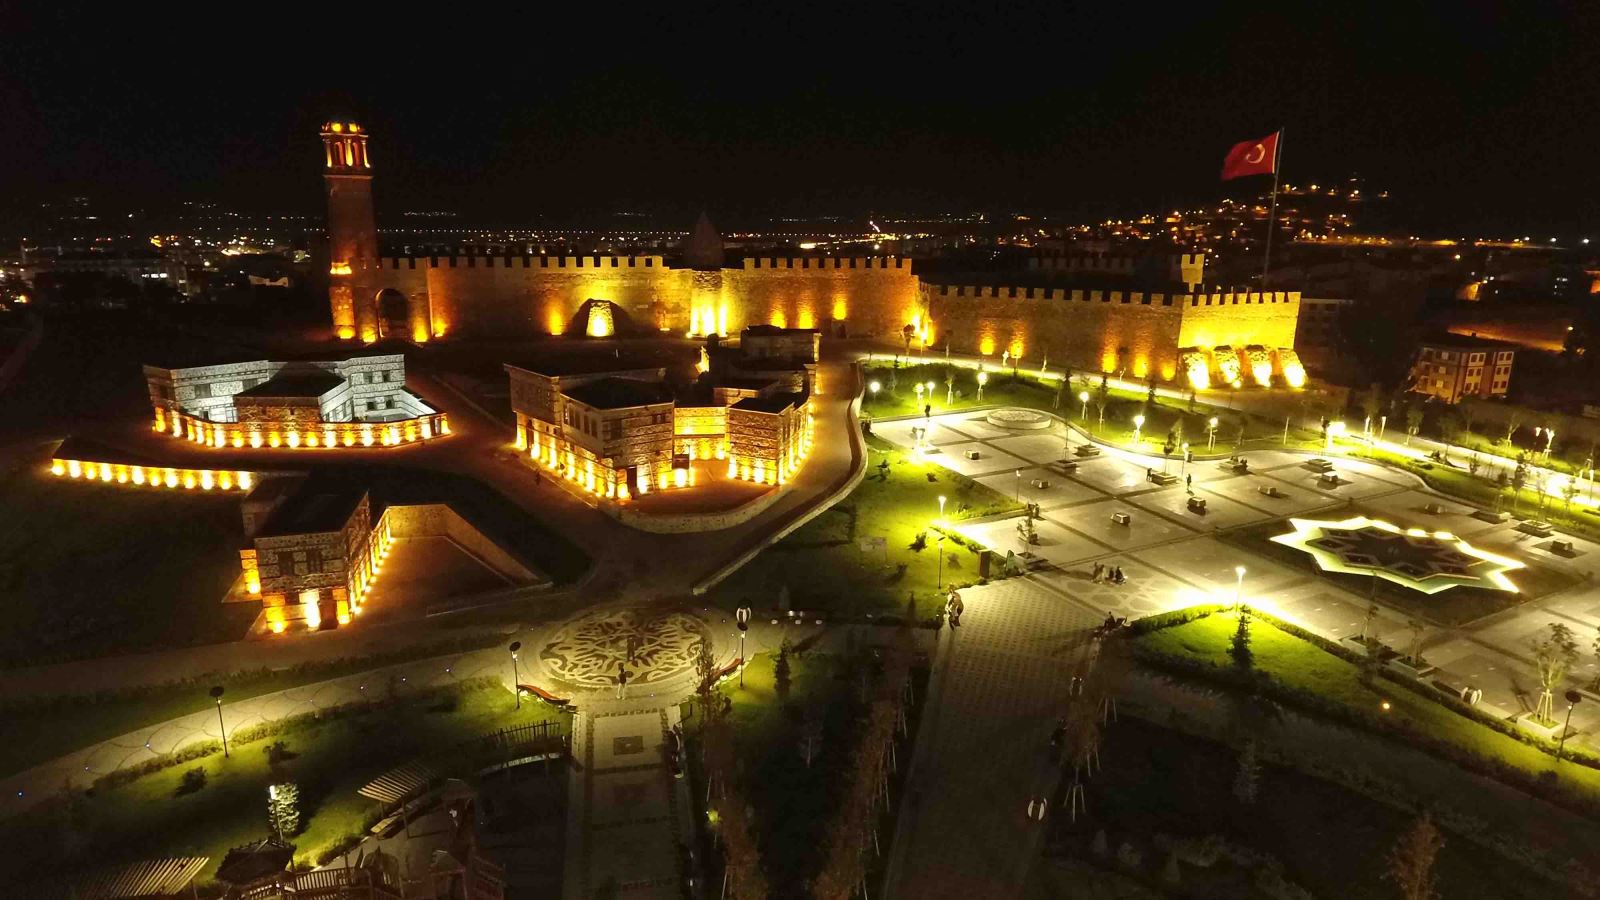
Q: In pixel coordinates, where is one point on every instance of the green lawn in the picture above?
(1302, 666)
(1331, 841)
(896, 396)
(62, 724)
(824, 567)
(793, 802)
(88, 569)
(329, 760)
(1481, 490)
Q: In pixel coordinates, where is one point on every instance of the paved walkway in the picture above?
(997, 686)
(1173, 559)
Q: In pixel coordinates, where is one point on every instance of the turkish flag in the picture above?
(1252, 158)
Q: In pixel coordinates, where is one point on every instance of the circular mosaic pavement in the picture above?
(1019, 419)
(654, 645)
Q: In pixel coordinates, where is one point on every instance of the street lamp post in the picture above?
(1183, 468)
(1083, 398)
(873, 387)
(941, 507)
(983, 379)
(1573, 699)
(1211, 433)
(516, 672)
(919, 389)
(1238, 586)
(216, 694)
(742, 616)
(1138, 425)
(939, 585)
(1019, 486)
(1383, 423)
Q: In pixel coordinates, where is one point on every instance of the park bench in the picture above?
(1087, 450)
(973, 454)
(1065, 467)
(1319, 464)
(1163, 478)
(1537, 529)
(1197, 504)
(1328, 479)
(1040, 483)
(1121, 518)
(1270, 490)
(1495, 516)
(546, 696)
(1433, 509)
(1564, 548)
(1238, 464)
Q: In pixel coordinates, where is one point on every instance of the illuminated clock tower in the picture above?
(352, 232)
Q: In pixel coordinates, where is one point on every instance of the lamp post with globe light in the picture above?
(216, 694)
(983, 379)
(1573, 699)
(941, 507)
(1211, 433)
(516, 672)
(742, 617)
(1238, 586)
(1138, 426)
(1083, 412)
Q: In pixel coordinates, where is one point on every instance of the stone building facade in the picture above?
(360, 401)
(314, 558)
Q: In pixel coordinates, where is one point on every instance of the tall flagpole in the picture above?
(1272, 217)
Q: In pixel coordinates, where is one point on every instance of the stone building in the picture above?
(624, 432)
(359, 401)
(1108, 314)
(314, 556)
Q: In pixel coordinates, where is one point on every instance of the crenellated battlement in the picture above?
(1142, 298)
(587, 262)
(894, 263)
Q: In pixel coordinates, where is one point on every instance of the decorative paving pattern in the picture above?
(1413, 558)
(587, 652)
(1019, 419)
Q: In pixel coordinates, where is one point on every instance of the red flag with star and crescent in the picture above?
(1252, 158)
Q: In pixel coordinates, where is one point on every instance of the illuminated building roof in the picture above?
(1424, 561)
(618, 393)
(297, 384)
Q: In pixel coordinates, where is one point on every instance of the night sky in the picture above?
(1478, 117)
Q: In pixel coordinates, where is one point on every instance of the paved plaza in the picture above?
(1106, 510)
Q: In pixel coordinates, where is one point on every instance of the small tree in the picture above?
(811, 736)
(1594, 684)
(1410, 861)
(1413, 422)
(283, 809)
(1372, 402)
(1569, 490)
(1247, 781)
(1450, 429)
(1513, 422)
(1239, 645)
(780, 671)
(1415, 653)
(1102, 397)
(1553, 656)
(1519, 478)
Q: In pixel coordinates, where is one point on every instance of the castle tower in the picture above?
(352, 231)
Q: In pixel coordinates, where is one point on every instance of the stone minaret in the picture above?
(352, 231)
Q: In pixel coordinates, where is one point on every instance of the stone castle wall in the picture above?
(533, 295)
(1105, 331)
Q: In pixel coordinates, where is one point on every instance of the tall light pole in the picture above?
(1211, 434)
(1383, 423)
(941, 507)
(1184, 468)
(1138, 425)
(1238, 586)
(516, 673)
(939, 585)
(919, 389)
(983, 379)
(742, 616)
(1083, 398)
(873, 387)
(216, 694)
(1019, 486)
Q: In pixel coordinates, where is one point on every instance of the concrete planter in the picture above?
(1410, 671)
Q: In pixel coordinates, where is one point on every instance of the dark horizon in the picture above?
(1474, 118)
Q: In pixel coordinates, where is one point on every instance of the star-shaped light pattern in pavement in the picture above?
(1426, 561)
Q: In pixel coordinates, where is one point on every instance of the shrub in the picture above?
(1174, 618)
(193, 780)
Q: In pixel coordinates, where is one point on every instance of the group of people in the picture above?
(1112, 574)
